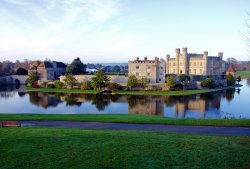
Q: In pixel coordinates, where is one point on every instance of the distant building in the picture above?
(47, 70)
(152, 70)
(231, 71)
(194, 64)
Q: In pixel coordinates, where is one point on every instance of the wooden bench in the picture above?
(10, 124)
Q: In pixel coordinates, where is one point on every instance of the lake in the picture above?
(231, 103)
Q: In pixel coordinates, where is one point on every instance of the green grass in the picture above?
(41, 147)
(245, 73)
(128, 118)
(54, 90)
(128, 92)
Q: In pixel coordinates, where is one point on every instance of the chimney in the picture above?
(145, 58)
(137, 58)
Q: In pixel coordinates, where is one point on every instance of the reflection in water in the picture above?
(151, 105)
(229, 94)
(222, 104)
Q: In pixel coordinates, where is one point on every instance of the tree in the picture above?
(58, 84)
(132, 81)
(32, 78)
(113, 86)
(208, 82)
(230, 79)
(100, 79)
(76, 67)
(142, 82)
(170, 81)
(70, 80)
(86, 85)
(21, 71)
(116, 69)
(184, 77)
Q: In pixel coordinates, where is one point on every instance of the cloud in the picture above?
(39, 27)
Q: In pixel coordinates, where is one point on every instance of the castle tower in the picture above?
(185, 61)
(167, 64)
(205, 55)
(177, 59)
(220, 55)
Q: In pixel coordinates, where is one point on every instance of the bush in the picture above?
(35, 85)
(170, 81)
(86, 85)
(31, 79)
(44, 84)
(58, 84)
(114, 86)
(208, 82)
(230, 79)
(132, 81)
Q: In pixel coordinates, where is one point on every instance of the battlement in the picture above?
(137, 60)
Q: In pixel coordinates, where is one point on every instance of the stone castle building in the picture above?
(47, 70)
(194, 64)
(152, 70)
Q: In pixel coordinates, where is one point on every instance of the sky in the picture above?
(104, 31)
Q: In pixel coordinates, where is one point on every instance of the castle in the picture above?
(194, 64)
(184, 63)
(152, 70)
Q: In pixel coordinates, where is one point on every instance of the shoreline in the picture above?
(126, 118)
(127, 92)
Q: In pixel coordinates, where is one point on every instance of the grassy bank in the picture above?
(128, 118)
(40, 147)
(245, 73)
(128, 92)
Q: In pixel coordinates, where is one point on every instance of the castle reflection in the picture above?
(174, 106)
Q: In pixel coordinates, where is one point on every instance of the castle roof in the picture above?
(231, 69)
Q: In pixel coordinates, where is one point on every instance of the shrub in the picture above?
(132, 81)
(31, 79)
(230, 79)
(114, 86)
(58, 84)
(86, 85)
(44, 84)
(208, 82)
(35, 85)
(70, 80)
(170, 81)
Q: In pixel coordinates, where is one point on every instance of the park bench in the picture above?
(10, 124)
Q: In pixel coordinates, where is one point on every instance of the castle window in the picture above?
(194, 71)
(200, 63)
(194, 63)
(200, 71)
(148, 67)
(173, 64)
(173, 70)
(148, 74)
(137, 67)
(137, 74)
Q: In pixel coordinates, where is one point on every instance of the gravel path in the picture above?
(238, 131)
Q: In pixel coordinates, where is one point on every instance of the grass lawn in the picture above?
(41, 147)
(245, 73)
(128, 92)
(128, 118)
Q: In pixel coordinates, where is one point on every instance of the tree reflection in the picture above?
(230, 94)
(43, 99)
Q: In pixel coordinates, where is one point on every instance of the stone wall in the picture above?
(120, 79)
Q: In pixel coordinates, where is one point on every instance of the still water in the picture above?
(231, 103)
